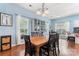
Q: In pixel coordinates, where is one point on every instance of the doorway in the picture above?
(21, 28)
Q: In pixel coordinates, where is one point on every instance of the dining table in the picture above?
(37, 42)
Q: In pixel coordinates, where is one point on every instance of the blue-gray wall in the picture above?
(71, 19)
(14, 9)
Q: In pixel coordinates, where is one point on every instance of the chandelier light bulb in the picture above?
(38, 12)
(46, 12)
(43, 14)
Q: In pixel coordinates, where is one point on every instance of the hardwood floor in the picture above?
(14, 51)
(66, 49)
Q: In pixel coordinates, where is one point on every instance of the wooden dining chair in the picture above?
(29, 49)
(56, 43)
(44, 50)
(50, 46)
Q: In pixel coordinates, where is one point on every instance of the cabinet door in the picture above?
(5, 46)
(5, 40)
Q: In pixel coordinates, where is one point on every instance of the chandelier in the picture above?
(43, 10)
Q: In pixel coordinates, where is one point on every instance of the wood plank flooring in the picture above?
(14, 51)
(66, 49)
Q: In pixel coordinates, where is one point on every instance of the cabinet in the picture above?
(62, 28)
(37, 26)
(5, 43)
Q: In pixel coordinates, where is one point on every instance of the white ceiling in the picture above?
(55, 9)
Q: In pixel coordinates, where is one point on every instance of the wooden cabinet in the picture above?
(5, 46)
(5, 42)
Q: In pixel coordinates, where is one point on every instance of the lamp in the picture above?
(42, 11)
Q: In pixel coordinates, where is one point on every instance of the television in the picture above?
(76, 29)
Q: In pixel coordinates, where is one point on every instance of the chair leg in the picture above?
(48, 52)
(40, 53)
(55, 52)
(25, 52)
(58, 48)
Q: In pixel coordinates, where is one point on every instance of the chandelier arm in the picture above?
(43, 7)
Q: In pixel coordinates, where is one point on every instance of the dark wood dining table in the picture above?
(38, 41)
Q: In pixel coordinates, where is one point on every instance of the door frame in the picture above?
(18, 33)
(18, 40)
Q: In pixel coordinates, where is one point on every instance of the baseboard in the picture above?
(17, 44)
(14, 45)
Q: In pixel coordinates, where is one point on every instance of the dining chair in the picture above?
(53, 44)
(44, 50)
(50, 46)
(56, 42)
(29, 49)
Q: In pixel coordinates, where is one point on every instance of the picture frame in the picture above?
(6, 19)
